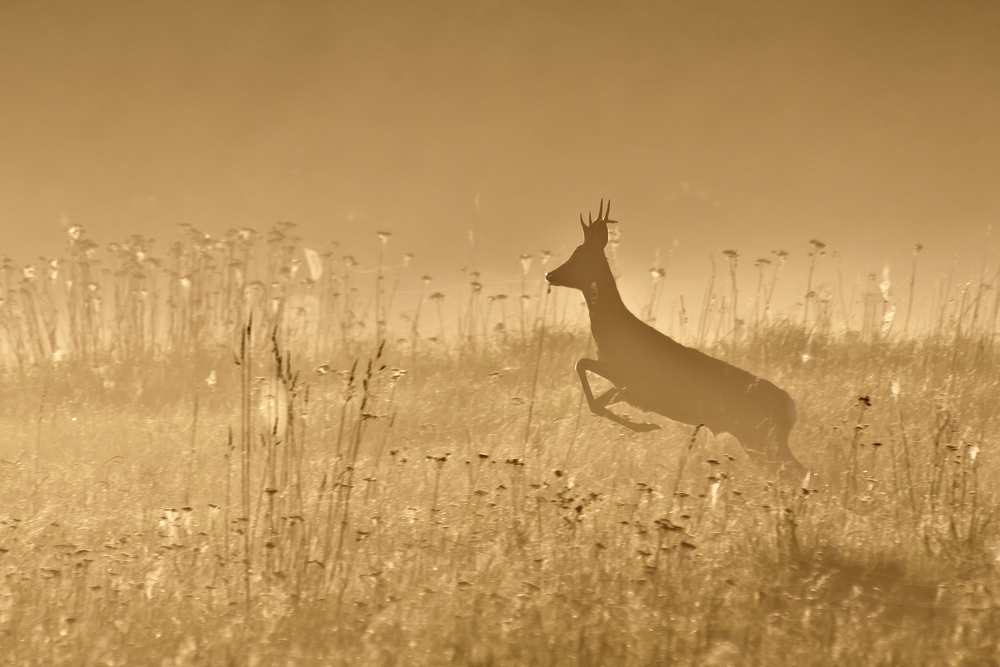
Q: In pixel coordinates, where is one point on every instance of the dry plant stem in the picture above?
(441, 330)
(230, 448)
(246, 366)
(415, 330)
(346, 484)
(995, 286)
(758, 298)
(379, 320)
(851, 487)
(733, 262)
(682, 321)
(706, 308)
(36, 480)
(521, 301)
(347, 488)
(909, 299)
(682, 461)
(534, 378)
(846, 313)
(299, 449)
(335, 490)
(774, 284)
(437, 483)
(809, 293)
(267, 494)
(192, 451)
(372, 489)
(980, 286)
(313, 528)
(906, 457)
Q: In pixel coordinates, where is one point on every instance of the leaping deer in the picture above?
(653, 372)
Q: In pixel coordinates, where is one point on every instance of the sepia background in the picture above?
(330, 416)
(711, 125)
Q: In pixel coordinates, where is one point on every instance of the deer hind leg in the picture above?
(791, 467)
(767, 445)
(599, 405)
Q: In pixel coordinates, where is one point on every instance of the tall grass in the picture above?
(225, 456)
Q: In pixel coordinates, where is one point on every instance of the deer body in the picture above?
(655, 373)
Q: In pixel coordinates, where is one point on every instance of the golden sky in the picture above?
(748, 125)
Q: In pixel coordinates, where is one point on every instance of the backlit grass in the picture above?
(190, 485)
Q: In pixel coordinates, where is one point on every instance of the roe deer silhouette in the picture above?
(653, 372)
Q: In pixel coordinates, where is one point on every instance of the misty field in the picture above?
(247, 452)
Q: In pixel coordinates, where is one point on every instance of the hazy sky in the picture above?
(746, 125)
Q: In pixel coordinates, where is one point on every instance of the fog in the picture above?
(252, 446)
(711, 126)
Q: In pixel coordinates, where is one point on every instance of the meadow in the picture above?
(247, 452)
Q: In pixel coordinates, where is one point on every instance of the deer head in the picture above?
(582, 268)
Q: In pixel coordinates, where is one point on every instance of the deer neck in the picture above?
(604, 302)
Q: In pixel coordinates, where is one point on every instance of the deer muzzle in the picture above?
(553, 278)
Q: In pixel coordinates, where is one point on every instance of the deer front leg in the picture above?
(609, 397)
(599, 405)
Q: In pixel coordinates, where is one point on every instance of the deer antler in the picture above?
(603, 215)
